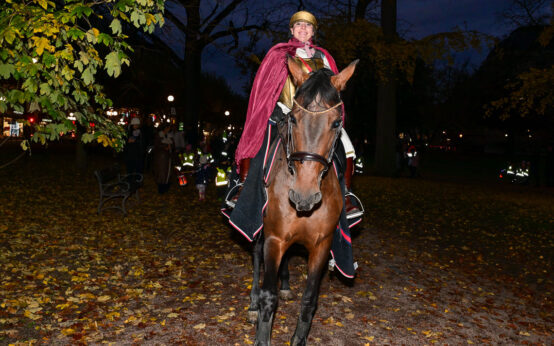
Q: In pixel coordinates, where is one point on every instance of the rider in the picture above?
(273, 92)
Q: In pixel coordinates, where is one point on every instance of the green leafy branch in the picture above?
(51, 53)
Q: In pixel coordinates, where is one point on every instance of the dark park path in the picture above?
(440, 262)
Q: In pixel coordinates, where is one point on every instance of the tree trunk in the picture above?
(385, 156)
(192, 70)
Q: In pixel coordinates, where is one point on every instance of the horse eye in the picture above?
(336, 123)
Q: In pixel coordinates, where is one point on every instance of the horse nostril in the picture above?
(316, 197)
(293, 196)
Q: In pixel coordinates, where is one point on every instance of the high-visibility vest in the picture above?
(359, 165)
(221, 178)
(187, 159)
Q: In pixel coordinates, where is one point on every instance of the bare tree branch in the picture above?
(233, 31)
(209, 16)
(526, 12)
(220, 16)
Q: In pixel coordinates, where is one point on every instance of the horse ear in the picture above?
(339, 80)
(298, 75)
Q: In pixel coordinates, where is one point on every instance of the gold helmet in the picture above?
(303, 16)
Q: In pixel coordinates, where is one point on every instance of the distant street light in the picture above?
(170, 98)
(227, 113)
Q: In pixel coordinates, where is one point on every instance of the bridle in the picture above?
(302, 156)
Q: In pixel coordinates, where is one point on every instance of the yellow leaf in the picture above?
(31, 315)
(43, 3)
(87, 296)
(368, 338)
(112, 315)
(102, 299)
(96, 32)
(41, 43)
(524, 333)
(68, 331)
(200, 326)
(172, 315)
(63, 306)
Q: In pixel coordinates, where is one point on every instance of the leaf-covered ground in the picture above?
(439, 262)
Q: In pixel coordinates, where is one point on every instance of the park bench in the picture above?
(113, 186)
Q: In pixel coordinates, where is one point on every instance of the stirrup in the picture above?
(232, 193)
(358, 204)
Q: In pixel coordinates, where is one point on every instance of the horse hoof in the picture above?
(252, 316)
(286, 294)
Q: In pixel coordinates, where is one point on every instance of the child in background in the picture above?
(202, 177)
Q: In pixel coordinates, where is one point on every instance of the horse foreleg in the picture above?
(316, 265)
(273, 253)
(285, 292)
(255, 292)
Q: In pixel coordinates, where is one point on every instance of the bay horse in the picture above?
(304, 198)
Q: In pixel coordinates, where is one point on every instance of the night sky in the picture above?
(418, 18)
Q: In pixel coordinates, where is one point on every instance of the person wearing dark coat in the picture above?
(135, 148)
(163, 148)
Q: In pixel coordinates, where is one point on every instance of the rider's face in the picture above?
(302, 31)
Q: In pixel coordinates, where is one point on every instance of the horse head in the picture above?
(313, 128)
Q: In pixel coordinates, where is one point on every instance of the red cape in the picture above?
(268, 83)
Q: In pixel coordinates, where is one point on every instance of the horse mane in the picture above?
(319, 83)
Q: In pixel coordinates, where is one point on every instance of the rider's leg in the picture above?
(244, 166)
(352, 211)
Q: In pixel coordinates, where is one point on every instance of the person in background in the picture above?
(178, 138)
(202, 177)
(163, 149)
(135, 148)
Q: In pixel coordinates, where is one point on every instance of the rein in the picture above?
(302, 156)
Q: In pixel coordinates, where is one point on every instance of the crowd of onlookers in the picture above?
(173, 158)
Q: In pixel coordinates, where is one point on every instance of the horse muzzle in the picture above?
(304, 203)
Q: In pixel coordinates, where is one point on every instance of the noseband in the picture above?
(302, 156)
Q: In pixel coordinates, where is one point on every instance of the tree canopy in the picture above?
(51, 52)
(531, 92)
